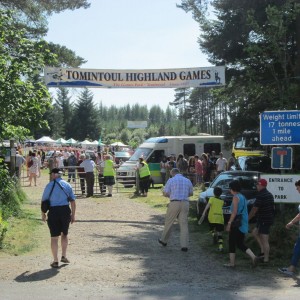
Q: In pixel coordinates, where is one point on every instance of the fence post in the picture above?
(137, 183)
(12, 157)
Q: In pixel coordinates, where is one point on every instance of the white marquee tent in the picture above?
(120, 144)
(45, 140)
(61, 141)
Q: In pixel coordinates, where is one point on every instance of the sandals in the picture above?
(54, 265)
(230, 266)
(64, 260)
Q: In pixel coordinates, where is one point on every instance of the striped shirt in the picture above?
(179, 188)
(265, 204)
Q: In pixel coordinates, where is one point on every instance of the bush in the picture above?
(3, 228)
(11, 197)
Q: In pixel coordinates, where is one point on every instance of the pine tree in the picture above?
(85, 121)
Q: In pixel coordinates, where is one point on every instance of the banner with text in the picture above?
(166, 78)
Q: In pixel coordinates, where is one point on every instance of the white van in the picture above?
(153, 149)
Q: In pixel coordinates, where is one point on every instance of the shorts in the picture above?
(59, 218)
(218, 227)
(263, 228)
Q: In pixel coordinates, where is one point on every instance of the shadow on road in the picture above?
(38, 276)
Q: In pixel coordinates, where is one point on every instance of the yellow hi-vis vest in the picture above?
(108, 168)
(144, 171)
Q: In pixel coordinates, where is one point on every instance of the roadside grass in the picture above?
(26, 231)
(21, 236)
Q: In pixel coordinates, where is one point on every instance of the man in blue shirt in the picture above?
(59, 216)
(178, 189)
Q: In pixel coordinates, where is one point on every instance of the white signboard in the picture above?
(136, 124)
(283, 187)
(156, 78)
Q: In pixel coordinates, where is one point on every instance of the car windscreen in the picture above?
(140, 152)
(122, 154)
(247, 181)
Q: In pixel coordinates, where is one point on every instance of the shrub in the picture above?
(11, 197)
(3, 228)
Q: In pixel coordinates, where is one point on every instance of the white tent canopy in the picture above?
(85, 143)
(120, 144)
(61, 141)
(96, 143)
(71, 141)
(45, 139)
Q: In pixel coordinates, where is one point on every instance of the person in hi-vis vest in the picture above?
(108, 173)
(144, 174)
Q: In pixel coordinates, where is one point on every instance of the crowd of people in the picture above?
(178, 188)
(179, 175)
(197, 168)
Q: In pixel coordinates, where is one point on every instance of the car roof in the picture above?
(122, 153)
(240, 172)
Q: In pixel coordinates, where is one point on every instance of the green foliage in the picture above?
(11, 197)
(66, 57)
(85, 121)
(32, 15)
(23, 97)
(259, 42)
(3, 229)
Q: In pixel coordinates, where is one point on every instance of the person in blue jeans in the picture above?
(290, 271)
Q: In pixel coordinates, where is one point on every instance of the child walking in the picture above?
(215, 217)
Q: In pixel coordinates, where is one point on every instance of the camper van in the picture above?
(153, 149)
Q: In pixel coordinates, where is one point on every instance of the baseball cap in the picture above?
(262, 182)
(56, 171)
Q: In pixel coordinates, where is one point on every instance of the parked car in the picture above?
(121, 155)
(5, 152)
(254, 163)
(47, 156)
(247, 179)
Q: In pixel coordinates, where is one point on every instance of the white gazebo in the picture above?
(71, 141)
(61, 141)
(85, 143)
(45, 140)
(120, 144)
(96, 143)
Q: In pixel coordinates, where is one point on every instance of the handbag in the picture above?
(45, 205)
(237, 222)
(30, 163)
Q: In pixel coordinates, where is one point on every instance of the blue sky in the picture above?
(130, 34)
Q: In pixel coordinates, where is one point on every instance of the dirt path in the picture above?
(115, 255)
